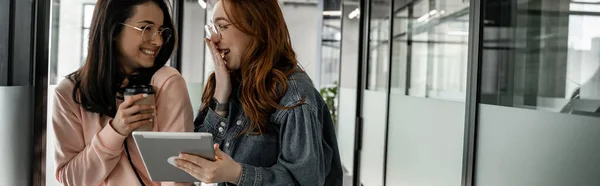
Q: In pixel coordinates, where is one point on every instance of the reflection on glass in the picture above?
(430, 49)
(546, 55)
(330, 53)
(377, 66)
(399, 51)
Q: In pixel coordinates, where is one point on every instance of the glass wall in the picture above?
(543, 55)
(414, 50)
(430, 41)
(379, 46)
(400, 47)
(428, 85)
(375, 93)
(538, 58)
(538, 118)
(349, 78)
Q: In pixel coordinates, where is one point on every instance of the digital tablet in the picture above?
(159, 150)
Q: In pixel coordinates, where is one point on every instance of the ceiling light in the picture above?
(332, 13)
(202, 3)
(427, 16)
(458, 33)
(355, 13)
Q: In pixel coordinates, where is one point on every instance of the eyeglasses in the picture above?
(164, 33)
(212, 28)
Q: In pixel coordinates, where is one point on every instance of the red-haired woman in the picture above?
(269, 123)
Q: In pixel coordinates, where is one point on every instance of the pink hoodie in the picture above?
(90, 152)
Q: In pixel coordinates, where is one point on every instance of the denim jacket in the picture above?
(300, 149)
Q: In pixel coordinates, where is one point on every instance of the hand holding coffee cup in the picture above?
(131, 116)
(137, 88)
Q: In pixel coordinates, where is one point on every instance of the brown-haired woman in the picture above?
(269, 123)
(92, 123)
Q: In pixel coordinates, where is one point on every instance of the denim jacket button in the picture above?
(221, 129)
(222, 123)
(238, 122)
(227, 144)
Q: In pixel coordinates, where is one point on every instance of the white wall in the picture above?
(304, 25)
(192, 51)
(192, 41)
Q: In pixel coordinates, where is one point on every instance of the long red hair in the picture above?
(266, 64)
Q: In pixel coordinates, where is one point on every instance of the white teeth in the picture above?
(149, 52)
(224, 52)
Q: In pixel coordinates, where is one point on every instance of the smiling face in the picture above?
(232, 42)
(134, 52)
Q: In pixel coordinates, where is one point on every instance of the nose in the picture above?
(157, 41)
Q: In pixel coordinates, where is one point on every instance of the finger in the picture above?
(133, 110)
(127, 103)
(190, 168)
(200, 161)
(140, 117)
(137, 124)
(213, 49)
(218, 55)
(209, 31)
(207, 41)
(217, 59)
(218, 153)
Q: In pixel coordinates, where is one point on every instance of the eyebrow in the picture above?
(151, 22)
(146, 21)
(220, 19)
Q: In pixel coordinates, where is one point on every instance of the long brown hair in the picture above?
(267, 63)
(100, 78)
